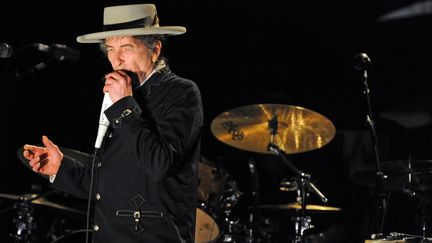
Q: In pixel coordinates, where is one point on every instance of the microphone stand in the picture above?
(379, 175)
(304, 182)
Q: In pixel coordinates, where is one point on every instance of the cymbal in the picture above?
(297, 206)
(82, 158)
(298, 129)
(35, 199)
(400, 175)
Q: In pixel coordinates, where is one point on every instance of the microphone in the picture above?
(5, 50)
(103, 121)
(60, 52)
(57, 51)
(361, 61)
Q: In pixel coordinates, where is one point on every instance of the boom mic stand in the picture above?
(362, 62)
(304, 182)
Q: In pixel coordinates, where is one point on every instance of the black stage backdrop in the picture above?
(297, 53)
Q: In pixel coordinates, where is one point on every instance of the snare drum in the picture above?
(206, 227)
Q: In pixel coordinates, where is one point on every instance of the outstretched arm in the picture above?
(44, 160)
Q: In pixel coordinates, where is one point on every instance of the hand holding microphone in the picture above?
(120, 83)
(116, 84)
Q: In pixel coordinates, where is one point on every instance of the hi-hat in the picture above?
(297, 206)
(296, 129)
(400, 175)
(36, 199)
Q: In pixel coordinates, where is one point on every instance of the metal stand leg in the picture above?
(24, 222)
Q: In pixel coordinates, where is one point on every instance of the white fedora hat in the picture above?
(130, 20)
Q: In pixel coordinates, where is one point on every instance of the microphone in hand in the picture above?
(103, 120)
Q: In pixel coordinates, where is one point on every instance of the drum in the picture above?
(206, 227)
(217, 196)
(73, 236)
(212, 183)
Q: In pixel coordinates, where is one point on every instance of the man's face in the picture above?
(127, 53)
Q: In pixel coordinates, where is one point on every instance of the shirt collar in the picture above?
(161, 65)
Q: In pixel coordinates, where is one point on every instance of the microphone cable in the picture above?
(90, 194)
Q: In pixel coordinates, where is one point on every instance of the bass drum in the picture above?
(73, 236)
(206, 226)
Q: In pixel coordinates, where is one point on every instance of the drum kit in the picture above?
(43, 216)
(31, 226)
(273, 129)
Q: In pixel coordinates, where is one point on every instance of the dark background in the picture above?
(240, 53)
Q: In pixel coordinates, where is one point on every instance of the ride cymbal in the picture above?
(38, 200)
(296, 129)
(297, 206)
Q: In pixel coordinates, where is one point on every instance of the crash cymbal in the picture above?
(400, 175)
(36, 199)
(298, 129)
(82, 158)
(297, 206)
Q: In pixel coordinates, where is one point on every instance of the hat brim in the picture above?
(98, 37)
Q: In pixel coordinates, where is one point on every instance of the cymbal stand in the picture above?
(303, 222)
(254, 216)
(24, 221)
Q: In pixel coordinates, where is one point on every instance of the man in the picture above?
(145, 180)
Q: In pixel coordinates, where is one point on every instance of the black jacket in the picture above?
(145, 180)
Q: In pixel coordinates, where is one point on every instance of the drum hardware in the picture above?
(302, 222)
(265, 128)
(218, 196)
(254, 216)
(395, 237)
(39, 199)
(213, 181)
(410, 176)
(288, 185)
(231, 196)
(234, 230)
(24, 220)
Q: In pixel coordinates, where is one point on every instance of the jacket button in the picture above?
(96, 227)
(98, 196)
